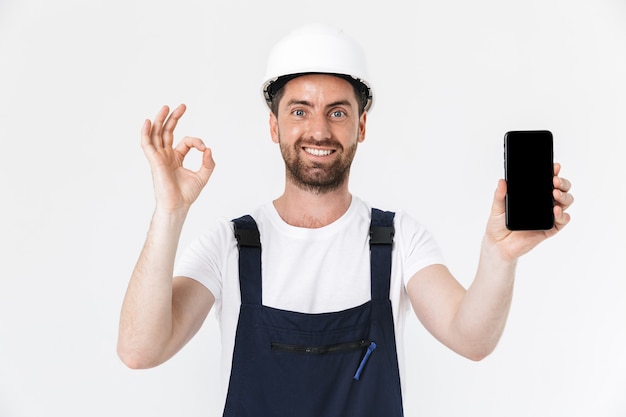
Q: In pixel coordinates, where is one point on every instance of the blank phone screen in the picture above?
(528, 162)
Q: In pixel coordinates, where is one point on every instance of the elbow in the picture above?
(477, 356)
(477, 353)
(135, 358)
(132, 361)
(474, 351)
(476, 345)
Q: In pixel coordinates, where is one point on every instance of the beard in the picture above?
(317, 177)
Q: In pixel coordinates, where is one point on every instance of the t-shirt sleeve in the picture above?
(205, 258)
(418, 247)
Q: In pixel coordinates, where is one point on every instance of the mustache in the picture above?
(330, 143)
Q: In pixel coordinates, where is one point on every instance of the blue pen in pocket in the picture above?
(359, 370)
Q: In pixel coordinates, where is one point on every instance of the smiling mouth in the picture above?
(318, 152)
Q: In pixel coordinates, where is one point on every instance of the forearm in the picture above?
(146, 317)
(483, 311)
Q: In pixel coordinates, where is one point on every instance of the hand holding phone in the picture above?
(529, 172)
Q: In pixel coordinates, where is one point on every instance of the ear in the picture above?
(274, 127)
(362, 123)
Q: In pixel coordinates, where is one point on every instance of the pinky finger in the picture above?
(561, 218)
(146, 142)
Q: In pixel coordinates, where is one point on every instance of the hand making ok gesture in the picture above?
(175, 186)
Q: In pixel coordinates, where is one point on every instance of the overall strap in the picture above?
(249, 243)
(381, 242)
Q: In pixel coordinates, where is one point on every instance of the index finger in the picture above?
(560, 183)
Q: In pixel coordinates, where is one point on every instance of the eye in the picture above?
(337, 114)
(298, 113)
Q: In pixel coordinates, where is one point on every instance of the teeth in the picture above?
(318, 152)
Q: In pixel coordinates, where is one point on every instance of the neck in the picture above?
(301, 208)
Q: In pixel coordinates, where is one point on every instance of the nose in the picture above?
(318, 127)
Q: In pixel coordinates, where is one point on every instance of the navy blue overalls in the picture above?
(338, 364)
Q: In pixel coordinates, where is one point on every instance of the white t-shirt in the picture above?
(307, 270)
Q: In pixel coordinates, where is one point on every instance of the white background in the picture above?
(77, 79)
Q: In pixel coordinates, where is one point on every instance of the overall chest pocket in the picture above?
(330, 365)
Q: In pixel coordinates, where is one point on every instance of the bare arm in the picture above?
(160, 314)
(471, 321)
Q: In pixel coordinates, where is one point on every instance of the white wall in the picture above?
(77, 78)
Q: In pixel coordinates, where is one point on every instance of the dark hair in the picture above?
(276, 91)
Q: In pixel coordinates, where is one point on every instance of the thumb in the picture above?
(498, 205)
(208, 165)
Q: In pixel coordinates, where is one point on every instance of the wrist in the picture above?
(169, 217)
(496, 253)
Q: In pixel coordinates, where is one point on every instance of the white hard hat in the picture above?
(317, 48)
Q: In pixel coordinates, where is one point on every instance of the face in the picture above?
(318, 128)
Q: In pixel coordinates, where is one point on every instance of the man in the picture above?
(312, 289)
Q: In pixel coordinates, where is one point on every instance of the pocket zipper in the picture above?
(321, 350)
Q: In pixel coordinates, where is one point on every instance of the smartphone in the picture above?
(529, 172)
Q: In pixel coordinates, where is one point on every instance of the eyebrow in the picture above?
(293, 102)
(309, 104)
